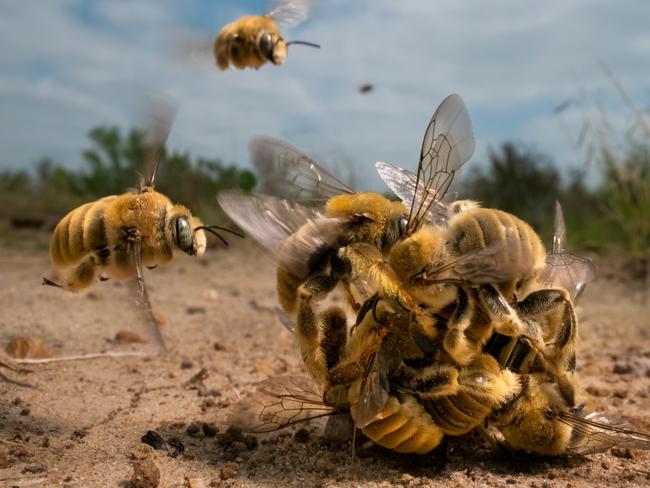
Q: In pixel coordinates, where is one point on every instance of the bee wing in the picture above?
(447, 144)
(161, 117)
(559, 234)
(290, 12)
(597, 433)
(142, 296)
(481, 266)
(284, 401)
(374, 391)
(285, 319)
(288, 173)
(569, 271)
(403, 183)
(269, 220)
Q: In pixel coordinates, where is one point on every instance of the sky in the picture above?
(69, 65)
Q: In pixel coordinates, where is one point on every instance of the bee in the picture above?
(115, 236)
(476, 257)
(253, 40)
(317, 249)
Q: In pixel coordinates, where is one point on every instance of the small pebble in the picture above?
(228, 470)
(194, 429)
(128, 337)
(177, 445)
(145, 474)
(622, 368)
(624, 453)
(195, 310)
(25, 411)
(154, 439)
(209, 430)
(301, 435)
(186, 364)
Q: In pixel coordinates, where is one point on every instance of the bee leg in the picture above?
(309, 327)
(429, 383)
(545, 302)
(455, 341)
(49, 282)
(506, 320)
(366, 260)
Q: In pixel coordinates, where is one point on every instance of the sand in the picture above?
(82, 423)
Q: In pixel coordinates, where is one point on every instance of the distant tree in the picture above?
(517, 180)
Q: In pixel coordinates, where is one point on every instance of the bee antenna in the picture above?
(304, 43)
(212, 229)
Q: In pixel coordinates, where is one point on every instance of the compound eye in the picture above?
(266, 45)
(183, 234)
(401, 224)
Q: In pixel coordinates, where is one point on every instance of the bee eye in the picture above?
(401, 225)
(266, 45)
(183, 234)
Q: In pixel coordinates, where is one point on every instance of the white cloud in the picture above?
(511, 61)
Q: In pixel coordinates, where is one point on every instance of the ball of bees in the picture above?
(253, 40)
(487, 341)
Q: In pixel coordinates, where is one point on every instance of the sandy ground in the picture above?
(82, 423)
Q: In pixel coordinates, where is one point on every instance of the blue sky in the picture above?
(69, 65)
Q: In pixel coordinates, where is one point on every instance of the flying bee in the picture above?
(252, 40)
(115, 236)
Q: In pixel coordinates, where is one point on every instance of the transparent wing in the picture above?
(403, 183)
(286, 172)
(563, 269)
(269, 220)
(559, 234)
(160, 119)
(597, 433)
(290, 12)
(448, 143)
(374, 392)
(573, 273)
(280, 402)
(285, 319)
(142, 297)
(490, 264)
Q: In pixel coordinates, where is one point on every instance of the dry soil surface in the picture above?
(82, 422)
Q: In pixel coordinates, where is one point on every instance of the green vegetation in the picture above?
(613, 216)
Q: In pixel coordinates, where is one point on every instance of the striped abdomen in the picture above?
(80, 232)
(305, 253)
(403, 426)
(518, 250)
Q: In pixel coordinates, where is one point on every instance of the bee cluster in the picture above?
(424, 318)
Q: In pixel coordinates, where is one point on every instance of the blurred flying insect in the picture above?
(252, 40)
(116, 236)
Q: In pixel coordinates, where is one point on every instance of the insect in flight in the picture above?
(253, 40)
(118, 235)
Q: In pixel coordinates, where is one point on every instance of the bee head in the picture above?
(410, 256)
(188, 235)
(272, 46)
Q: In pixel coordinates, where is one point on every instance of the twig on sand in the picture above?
(82, 357)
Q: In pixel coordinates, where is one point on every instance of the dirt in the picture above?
(83, 422)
